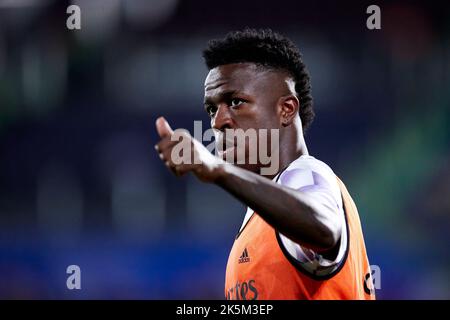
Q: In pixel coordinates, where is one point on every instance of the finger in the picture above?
(179, 170)
(163, 128)
(165, 151)
(165, 143)
(166, 155)
(172, 167)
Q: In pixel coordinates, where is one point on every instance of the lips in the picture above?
(223, 153)
(223, 145)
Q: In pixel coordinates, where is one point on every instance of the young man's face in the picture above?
(244, 96)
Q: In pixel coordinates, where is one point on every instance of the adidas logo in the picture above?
(244, 257)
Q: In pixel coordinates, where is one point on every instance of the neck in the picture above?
(291, 154)
(294, 147)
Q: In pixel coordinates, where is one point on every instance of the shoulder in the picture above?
(315, 178)
(307, 171)
(309, 163)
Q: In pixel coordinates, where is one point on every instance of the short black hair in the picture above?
(268, 49)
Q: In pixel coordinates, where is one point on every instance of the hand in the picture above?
(193, 156)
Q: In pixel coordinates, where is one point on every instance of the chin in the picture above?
(232, 154)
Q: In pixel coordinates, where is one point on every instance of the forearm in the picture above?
(293, 213)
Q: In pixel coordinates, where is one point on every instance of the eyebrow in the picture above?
(220, 97)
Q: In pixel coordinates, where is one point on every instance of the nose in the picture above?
(223, 118)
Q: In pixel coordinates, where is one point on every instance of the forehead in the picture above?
(246, 77)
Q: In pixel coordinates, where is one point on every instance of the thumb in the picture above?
(163, 128)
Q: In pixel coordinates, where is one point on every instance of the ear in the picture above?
(288, 108)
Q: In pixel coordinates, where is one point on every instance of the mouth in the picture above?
(225, 146)
(223, 153)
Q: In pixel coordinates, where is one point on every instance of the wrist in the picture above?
(220, 171)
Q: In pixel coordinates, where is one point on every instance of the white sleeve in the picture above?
(315, 178)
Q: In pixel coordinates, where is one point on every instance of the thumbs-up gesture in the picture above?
(163, 128)
(182, 153)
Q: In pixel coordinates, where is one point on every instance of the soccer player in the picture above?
(301, 237)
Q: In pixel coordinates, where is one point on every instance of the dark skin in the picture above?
(234, 100)
(244, 96)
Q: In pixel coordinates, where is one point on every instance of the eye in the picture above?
(211, 110)
(236, 102)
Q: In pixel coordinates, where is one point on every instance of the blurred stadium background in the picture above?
(81, 184)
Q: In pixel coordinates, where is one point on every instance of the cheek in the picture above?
(267, 120)
(255, 116)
